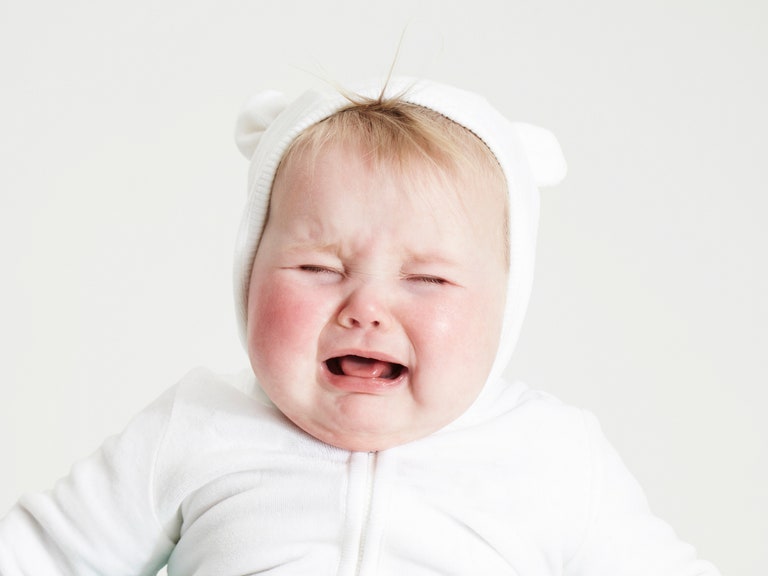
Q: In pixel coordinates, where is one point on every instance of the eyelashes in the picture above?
(428, 280)
(318, 269)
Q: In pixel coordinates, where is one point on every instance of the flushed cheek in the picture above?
(457, 326)
(283, 324)
(458, 339)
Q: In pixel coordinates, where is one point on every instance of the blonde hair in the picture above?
(399, 135)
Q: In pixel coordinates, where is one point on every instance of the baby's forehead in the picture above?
(319, 190)
(433, 160)
(417, 178)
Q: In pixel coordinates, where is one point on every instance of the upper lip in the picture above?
(373, 354)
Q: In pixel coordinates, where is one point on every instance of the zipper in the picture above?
(366, 516)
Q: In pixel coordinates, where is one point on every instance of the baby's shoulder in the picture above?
(202, 387)
(213, 409)
(525, 412)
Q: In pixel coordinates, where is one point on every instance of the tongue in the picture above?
(366, 367)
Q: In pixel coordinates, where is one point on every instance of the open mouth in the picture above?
(362, 367)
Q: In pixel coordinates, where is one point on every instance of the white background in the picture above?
(121, 188)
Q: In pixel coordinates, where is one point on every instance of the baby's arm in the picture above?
(623, 536)
(101, 518)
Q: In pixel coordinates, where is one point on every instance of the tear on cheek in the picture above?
(361, 367)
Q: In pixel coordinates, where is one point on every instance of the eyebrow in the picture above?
(309, 246)
(431, 258)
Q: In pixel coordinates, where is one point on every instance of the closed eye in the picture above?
(428, 279)
(318, 269)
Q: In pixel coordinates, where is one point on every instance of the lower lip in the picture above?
(363, 385)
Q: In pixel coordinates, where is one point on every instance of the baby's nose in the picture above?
(365, 307)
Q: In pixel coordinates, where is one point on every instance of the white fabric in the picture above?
(528, 155)
(215, 480)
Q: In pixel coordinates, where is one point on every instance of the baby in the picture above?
(382, 273)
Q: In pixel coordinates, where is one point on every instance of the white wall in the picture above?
(120, 191)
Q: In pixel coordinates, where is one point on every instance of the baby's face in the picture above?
(375, 302)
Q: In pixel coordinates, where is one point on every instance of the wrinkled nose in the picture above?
(364, 308)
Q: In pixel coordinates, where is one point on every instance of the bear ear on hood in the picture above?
(257, 114)
(545, 157)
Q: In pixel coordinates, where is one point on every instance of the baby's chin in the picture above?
(365, 442)
(369, 431)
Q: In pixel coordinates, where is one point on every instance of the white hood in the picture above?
(530, 157)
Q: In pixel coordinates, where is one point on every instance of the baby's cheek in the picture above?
(282, 320)
(461, 331)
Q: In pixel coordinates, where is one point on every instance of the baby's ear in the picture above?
(544, 154)
(258, 113)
